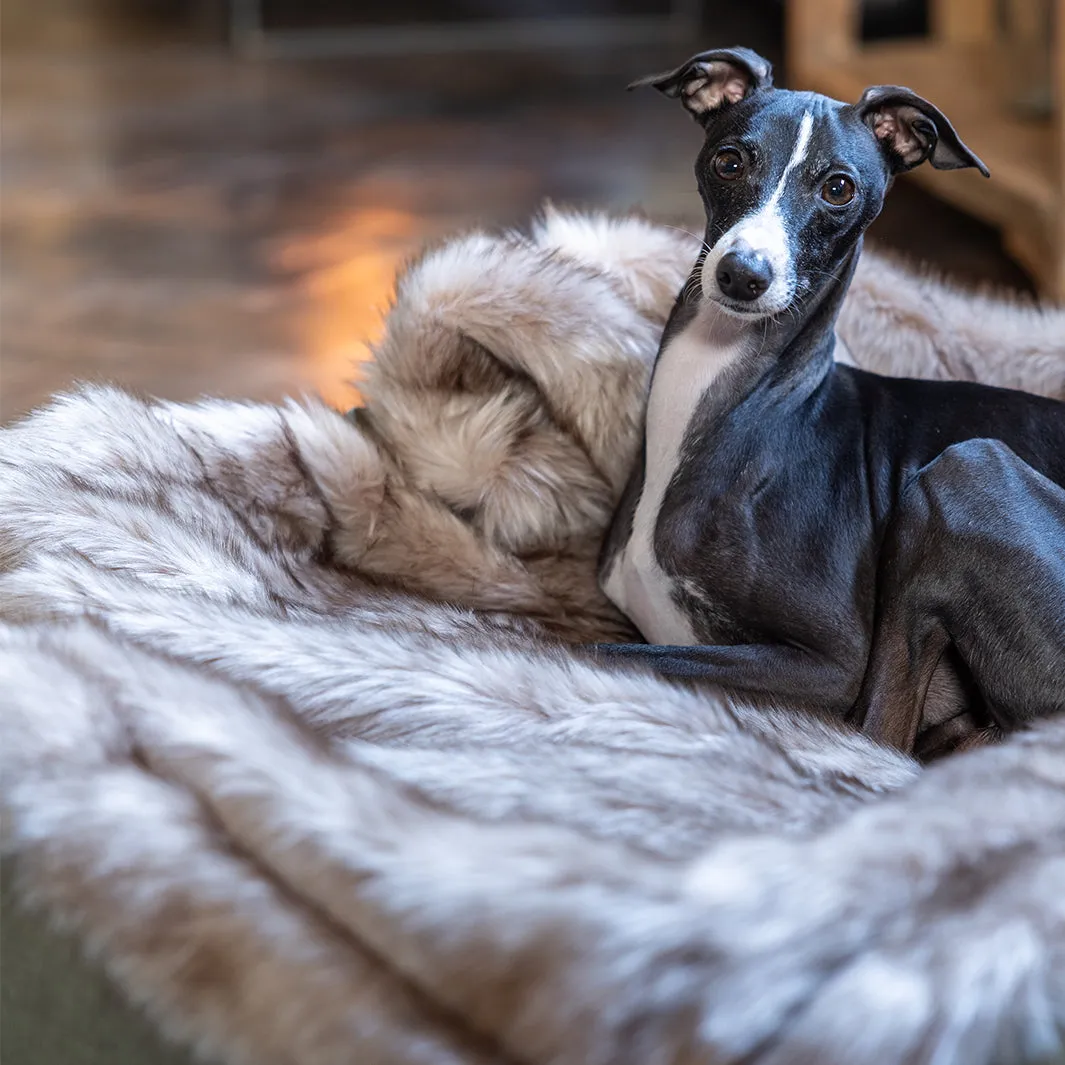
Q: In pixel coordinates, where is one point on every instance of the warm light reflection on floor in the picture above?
(346, 278)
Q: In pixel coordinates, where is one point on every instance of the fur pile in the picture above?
(292, 739)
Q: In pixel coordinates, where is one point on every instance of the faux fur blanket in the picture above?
(291, 737)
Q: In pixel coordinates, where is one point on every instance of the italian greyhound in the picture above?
(795, 526)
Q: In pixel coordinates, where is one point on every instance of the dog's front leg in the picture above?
(799, 678)
(974, 558)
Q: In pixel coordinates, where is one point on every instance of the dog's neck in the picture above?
(788, 355)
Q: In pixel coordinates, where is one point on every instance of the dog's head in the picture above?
(790, 180)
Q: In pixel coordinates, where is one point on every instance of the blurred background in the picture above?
(214, 195)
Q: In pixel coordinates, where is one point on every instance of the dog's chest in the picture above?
(686, 371)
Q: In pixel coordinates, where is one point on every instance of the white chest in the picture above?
(686, 370)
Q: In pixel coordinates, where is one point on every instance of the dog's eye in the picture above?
(728, 164)
(838, 190)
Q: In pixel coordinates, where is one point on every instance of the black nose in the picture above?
(744, 275)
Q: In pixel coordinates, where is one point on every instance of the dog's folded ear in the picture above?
(709, 80)
(910, 130)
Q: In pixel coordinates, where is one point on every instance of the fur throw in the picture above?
(291, 738)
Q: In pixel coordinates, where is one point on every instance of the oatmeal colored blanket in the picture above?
(293, 740)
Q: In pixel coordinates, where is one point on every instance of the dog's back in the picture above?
(921, 418)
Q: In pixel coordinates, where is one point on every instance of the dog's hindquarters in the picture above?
(973, 565)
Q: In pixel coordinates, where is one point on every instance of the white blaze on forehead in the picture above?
(802, 146)
(764, 231)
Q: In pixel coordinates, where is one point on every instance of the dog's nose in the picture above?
(744, 275)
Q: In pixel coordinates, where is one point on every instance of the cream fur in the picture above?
(290, 737)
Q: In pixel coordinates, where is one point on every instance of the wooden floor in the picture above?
(184, 222)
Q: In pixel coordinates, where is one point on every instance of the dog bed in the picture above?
(296, 745)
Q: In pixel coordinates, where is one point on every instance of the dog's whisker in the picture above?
(688, 232)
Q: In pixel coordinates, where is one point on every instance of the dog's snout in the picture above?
(744, 275)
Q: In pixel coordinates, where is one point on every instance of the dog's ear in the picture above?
(710, 80)
(910, 130)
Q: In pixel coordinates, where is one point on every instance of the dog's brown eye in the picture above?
(838, 190)
(728, 164)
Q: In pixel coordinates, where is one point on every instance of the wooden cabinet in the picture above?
(974, 69)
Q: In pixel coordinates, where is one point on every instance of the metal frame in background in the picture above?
(249, 37)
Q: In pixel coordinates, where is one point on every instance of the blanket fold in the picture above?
(292, 739)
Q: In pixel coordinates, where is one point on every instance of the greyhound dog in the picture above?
(795, 526)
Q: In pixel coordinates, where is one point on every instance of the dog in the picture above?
(890, 551)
